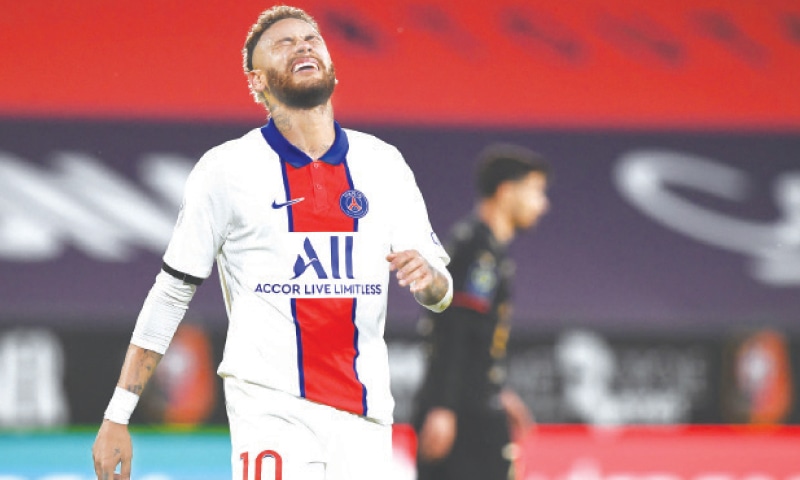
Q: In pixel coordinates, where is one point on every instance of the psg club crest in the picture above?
(354, 204)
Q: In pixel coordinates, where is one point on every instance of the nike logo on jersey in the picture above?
(277, 205)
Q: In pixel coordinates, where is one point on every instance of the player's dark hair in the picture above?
(267, 19)
(501, 163)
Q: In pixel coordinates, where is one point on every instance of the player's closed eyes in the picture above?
(288, 42)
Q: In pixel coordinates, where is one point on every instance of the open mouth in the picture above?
(305, 65)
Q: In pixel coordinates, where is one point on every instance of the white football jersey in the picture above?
(301, 251)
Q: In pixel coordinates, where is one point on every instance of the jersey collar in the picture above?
(296, 157)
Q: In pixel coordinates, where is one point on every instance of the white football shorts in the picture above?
(277, 436)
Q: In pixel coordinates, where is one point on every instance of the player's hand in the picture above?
(112, 447)
(438, 434)
(413, 271)
(520, 419)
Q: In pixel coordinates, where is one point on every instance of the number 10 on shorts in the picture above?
(268, 457)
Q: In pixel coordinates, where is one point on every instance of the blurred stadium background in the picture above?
(657, 329)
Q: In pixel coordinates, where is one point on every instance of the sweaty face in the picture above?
(298, 68)
(531, 200)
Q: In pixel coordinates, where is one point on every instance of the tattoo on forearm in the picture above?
(135, 388)
(436, 291)
(142, 367)
(439, 289)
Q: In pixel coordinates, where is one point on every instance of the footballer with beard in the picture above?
(306, 221)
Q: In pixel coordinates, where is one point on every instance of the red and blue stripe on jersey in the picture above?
(327, 335)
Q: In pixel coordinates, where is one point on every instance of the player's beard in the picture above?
(303, 95)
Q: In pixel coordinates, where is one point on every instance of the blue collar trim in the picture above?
(296, 157)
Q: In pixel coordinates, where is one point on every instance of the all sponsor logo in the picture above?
(314, 276)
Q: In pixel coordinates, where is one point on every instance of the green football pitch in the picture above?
(159, 454)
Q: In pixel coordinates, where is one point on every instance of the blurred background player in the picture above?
(465, 417)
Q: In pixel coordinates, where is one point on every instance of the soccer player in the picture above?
(306, 221)
(463, 410)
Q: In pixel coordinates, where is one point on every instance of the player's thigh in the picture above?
(282, 451)
(361, 450)
(271, 445)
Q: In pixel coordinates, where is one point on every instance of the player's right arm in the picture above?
(196, 239)
(113, 446)
(158, 320)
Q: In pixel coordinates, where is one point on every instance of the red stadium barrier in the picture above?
(561, 452)
(609, 63)
(663, 453)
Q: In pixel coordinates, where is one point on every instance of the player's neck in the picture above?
(309, 130)
(500, 224)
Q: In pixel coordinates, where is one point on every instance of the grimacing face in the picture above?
(293, 65)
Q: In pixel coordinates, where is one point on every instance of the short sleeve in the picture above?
(202, 221)
(412, 229)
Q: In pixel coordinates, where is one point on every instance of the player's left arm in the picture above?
(417, 256)
(432, 287)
